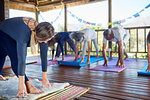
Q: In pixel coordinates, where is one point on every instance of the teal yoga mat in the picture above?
(72, 63)
(143, 71)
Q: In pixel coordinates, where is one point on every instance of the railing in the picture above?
(136, 46)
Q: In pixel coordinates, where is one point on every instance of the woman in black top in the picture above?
(61, 38)
(16, 34)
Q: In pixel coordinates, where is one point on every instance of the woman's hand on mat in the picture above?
(3, 78)
(105, 63)
(45, 80)
(120, 64)
(63, 58)
(22, 88)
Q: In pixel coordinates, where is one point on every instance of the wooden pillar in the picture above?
(2, 14)
(36, 14)
(110, 22)
(65, 25)
(4, 9)
(37, 19)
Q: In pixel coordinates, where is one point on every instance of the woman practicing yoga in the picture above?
(61, 38)
(85, 35)
(120, 36)
(16, 34)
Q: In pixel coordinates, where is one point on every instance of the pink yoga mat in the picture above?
(112, 66)
(56, 62)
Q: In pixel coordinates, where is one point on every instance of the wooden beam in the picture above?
(65, 12)
(58, 5)
(110, 13)
(45, 5)
(50, 3)
(65, 25)
(21, 1)
(23, 4)
(2, 12)
(110, 21)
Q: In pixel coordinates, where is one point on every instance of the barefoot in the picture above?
(81, 61)
(32, 89)
(148, 69)
(63, 58)
(88, 62)
(56, 58)
(96, 57)
(3, 78)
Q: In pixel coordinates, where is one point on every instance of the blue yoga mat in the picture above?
(76, 63)
(143, 71)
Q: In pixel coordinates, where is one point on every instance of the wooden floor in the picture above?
(126, 85)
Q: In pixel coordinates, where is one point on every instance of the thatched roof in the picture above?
(45, 5)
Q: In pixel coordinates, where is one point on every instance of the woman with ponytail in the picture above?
(16, 34)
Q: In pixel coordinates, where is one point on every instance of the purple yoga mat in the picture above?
(112, 66)
(56, 62)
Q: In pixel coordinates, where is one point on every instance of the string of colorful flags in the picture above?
(90, 23)
(133, 16)
(39, 12)
(81, 20)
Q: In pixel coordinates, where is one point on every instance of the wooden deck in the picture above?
(126, 85)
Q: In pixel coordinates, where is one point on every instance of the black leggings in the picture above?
(8, 47)
(71, 44)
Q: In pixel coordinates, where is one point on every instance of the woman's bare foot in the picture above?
(88, 61)
(81, 61)
(56, 58)
(3, 78)
(96, 57)
(32, 89)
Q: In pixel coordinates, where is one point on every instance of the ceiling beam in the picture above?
(22, 4)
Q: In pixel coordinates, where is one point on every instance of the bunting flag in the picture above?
(135, 15)
(86, 22)
(147, 6)
(52, 22)
(81, 20)
(41, 15)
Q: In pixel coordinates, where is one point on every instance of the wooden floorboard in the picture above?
(126, 85)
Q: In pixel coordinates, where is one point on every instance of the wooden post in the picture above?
(110, 22)
(36, 14)
(4, 9)
(2, 12)
(37, 19)
(65, 26)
